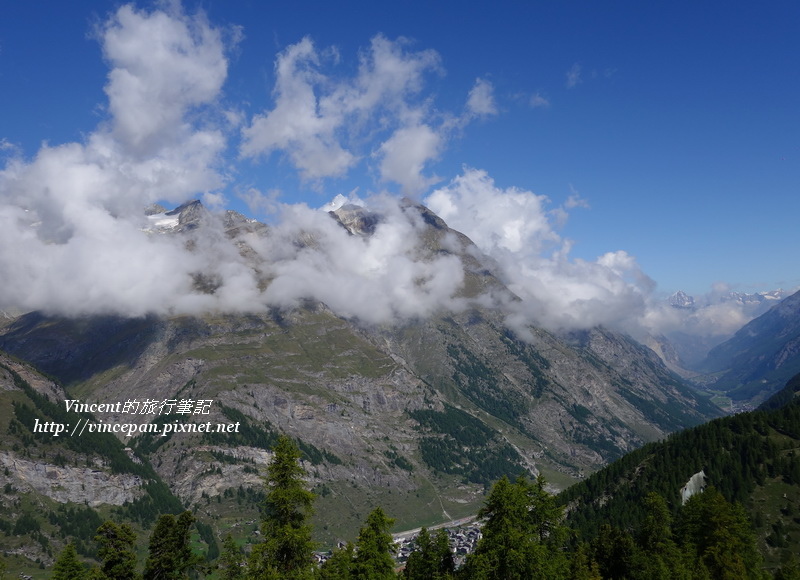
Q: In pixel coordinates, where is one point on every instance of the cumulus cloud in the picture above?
(299, 124)
(161, 65)
(317, 120)
(376, 279)
(72, 216)
(261, 203)
(518, 230)
(481, 102)
(405, 154)
(74, 240)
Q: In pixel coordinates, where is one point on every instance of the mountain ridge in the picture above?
(761, 356)
(418, 415)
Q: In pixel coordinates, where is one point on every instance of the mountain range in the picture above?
(761, 356)
(759, 302)
(685, 347)
(418, 415)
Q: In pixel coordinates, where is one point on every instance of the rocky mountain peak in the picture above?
(356, 219)
(681, 300)
(190, 214)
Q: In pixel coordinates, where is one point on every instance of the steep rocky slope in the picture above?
(418, 415)
(759, 359)
(55, 486)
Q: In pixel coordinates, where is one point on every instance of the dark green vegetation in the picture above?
(286, 549)
(751, 459)
(477, 381)
(170, 555)
(262, 435)
(40, 408)
(525, 537)
(432, 558)
(457, 443)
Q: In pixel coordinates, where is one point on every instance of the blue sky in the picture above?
(668, 130)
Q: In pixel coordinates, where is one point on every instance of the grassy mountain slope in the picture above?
(752, 458)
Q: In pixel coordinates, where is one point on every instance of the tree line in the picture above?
(524, 536)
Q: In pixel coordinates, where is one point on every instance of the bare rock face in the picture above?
(356, 220)
(39, 383)
(695, 485)
(92, 485)
(81, 485)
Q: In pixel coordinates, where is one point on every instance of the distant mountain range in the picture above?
(751, 364)
(759, 301)
(685, 347)
(761, 356)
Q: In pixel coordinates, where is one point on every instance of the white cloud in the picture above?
(327, 124)
(72, 224)
(389, 77)
(481, 102)
(539, 101)
(260, 203)
(161, 65)
(405, 154)
(299, 123)
(574, 76)
(376, 279)
(510, 219)
(513, 226)
(73, 240)
(315, 115)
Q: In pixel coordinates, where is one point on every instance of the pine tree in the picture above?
(523, 537)
(231, 560)
(287, 550)
(68, 566)
(340, 565)
(720, 535)
(95, 573)
(659, 555)
(432, 558)
(170, 555)
(443, 555)
(615, 552)
(581, 566)
(374, 549)
(789, 570)
(116, 551)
